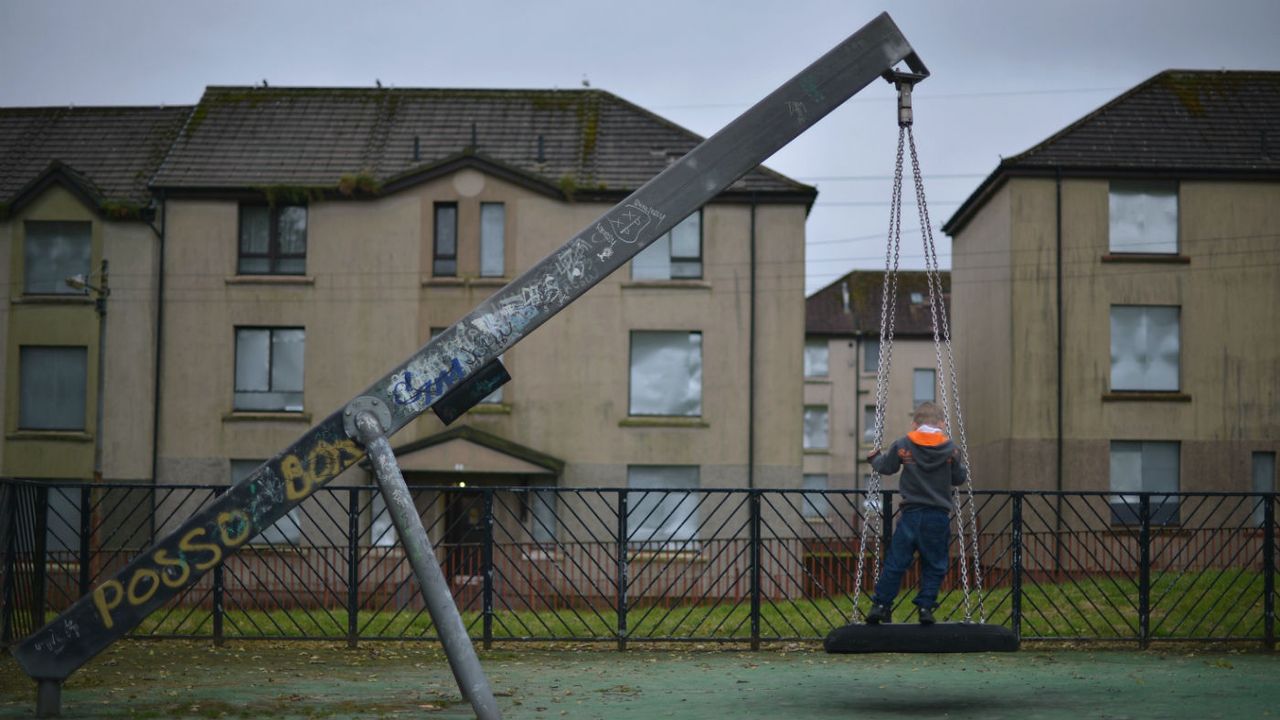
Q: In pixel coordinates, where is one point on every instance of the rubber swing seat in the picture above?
(915, 638)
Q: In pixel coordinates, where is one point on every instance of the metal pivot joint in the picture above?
(904, 82)
(370, 432)
(379, 411)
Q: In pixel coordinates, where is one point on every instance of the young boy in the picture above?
(930, 465)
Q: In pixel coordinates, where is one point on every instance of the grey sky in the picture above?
(1006, 74)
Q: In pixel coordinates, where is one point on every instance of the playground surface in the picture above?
(177, 679)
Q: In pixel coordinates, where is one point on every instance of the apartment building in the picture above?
(1115, 288)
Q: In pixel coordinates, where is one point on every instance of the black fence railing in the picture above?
(642, 565)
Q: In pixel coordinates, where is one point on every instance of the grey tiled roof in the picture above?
(582, 140)
(826, 312)
(1222, 123)
(112, 150)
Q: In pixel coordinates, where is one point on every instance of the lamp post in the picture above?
(103, 291)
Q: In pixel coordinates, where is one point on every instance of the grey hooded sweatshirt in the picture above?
(930, 465)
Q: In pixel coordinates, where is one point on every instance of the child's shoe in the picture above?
(926, 616)
(879, 613)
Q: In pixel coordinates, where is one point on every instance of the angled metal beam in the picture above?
(118, 604)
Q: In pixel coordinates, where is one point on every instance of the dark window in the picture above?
(273, 240)
(52, 384)
(52, 252)
(269, 368)
(871, 355)
(445, 262)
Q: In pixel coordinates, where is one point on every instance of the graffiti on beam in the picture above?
(426, 381)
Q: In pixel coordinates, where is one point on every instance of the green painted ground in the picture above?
(294, 680)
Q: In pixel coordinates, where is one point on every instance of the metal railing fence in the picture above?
(637, 565)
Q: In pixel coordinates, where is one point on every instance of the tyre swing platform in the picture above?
(958, 637)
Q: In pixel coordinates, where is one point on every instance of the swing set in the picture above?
(947, 637)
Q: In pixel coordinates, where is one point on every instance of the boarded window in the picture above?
(664, 516)
(1145, 348)
(816, 427)
(666, 373)
(1144, 217)
(52, 252)
(816, 358)
(52, 390)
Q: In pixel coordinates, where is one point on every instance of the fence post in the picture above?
(1269, 571)
(487, 559)
(886, 522)
(1144, 570)
(6, 601)
(1017, 566)
(622, 570)
(39, 557)
(753, 506)
(218, 638)
(353, 567)
(85, 529)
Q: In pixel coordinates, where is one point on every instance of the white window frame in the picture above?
(243, 395)
(659, 260)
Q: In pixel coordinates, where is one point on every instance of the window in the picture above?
(542, 505)
(1144, 348)
(815, 504)
(286, 530)
(52, 252)
(666, 373)
(269, 365)
(815, 358)
(677, 255)
(52, 385)
(871, 355)
(1264, 481)
(1150, 467)
(1144, 217)
(815, 427)
(62, 520)
(923, 387)
(868, 424)
(666, 516)
(445, 262)
(273, 240)
(493, 226)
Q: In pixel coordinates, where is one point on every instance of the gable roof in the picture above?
(546, 463)
(106, 154)
(1178, 123)
(826, 312)
(568, 143)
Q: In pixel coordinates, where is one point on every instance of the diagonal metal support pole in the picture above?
(370, 433)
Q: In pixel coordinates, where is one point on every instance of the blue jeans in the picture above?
(926, 530)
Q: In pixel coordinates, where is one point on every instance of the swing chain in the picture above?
(969, 538)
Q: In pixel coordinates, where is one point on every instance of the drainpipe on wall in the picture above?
(751, 360)
(155, 408)
(1057, 550)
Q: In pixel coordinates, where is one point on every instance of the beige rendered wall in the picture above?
(369, 299)
(130, 248)
(981, 331)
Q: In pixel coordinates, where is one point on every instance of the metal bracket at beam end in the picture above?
(371, 405)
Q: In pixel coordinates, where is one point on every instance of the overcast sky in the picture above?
(1006, 74)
